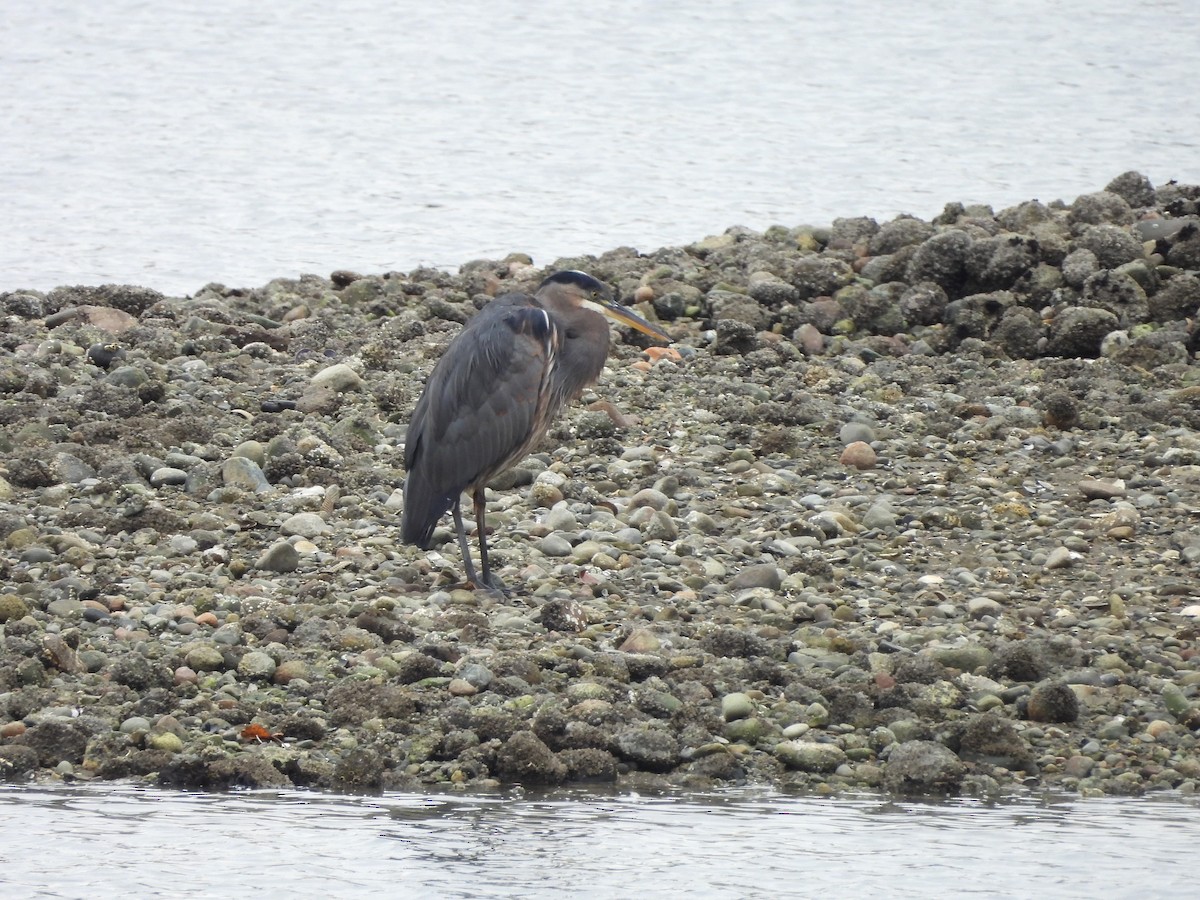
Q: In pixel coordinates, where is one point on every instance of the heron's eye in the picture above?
(572, 334)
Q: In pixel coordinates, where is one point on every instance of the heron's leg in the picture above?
(490, 581)
(462, 543)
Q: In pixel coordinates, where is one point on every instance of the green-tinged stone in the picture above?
(809, 756)
(736, 706)
(748, 731)
(817, 716)
(167, 740)
(205, 658)
(1175, 701)
(12, 607)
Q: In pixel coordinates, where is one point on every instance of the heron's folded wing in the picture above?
(480, 411)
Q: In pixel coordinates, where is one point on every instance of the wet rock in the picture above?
(814, 276)
(17, 762)
(1178, 299)
(942, 260)
(242, 771)
(12, 607)
(900, 232)
(995, 741)
(734, 642)
(809, 756)
(55, 741)
(525, 759)
(358, 769)
(1119, 294)
(563, 615)
(1185, 249)
(648, 748)
(1019, 661)
(1020, 333)
(589, 764)
(1061, 409)
(923, 767)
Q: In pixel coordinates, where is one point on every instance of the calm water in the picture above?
(174, 143)
(104, 841)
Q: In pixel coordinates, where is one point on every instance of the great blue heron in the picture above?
(493, 394)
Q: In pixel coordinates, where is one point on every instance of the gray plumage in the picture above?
(495, 391)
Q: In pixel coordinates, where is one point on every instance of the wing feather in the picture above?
(480, 411)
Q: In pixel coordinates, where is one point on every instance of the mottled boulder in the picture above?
(1134, 187)
(1052, 702)
(1111, 245)
(1119, 294)
(1176, 300)
(942, 260)
(990, 739)
(1079, 331)
(923, 767)
(524, 759)
(1098, 208)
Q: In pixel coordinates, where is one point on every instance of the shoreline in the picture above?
(914, 510)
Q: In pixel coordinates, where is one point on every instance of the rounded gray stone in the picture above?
(167, 476)
(244, 473)
(281, 557)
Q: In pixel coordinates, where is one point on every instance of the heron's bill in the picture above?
(627, 316)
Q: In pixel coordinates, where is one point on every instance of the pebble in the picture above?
(859, 455)
(1099, 489)
(166, 476)
(167, 741)
(879, 514)
(759, 576)
(810, 756)
(279, 557)
(338, 377)
(1060, 558)
(856, 433)
(243, 473)
(205, 658)
(251, 450)
(641, 640)
(257, 665)
(736, 706)
(981, 607)
(305, 524)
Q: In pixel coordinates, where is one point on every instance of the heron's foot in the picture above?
(496, 587)
(493, 587)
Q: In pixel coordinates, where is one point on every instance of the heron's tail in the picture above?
(422, 511)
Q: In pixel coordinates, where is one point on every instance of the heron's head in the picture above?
(581, 290)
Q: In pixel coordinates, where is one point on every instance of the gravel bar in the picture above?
(910, 506)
